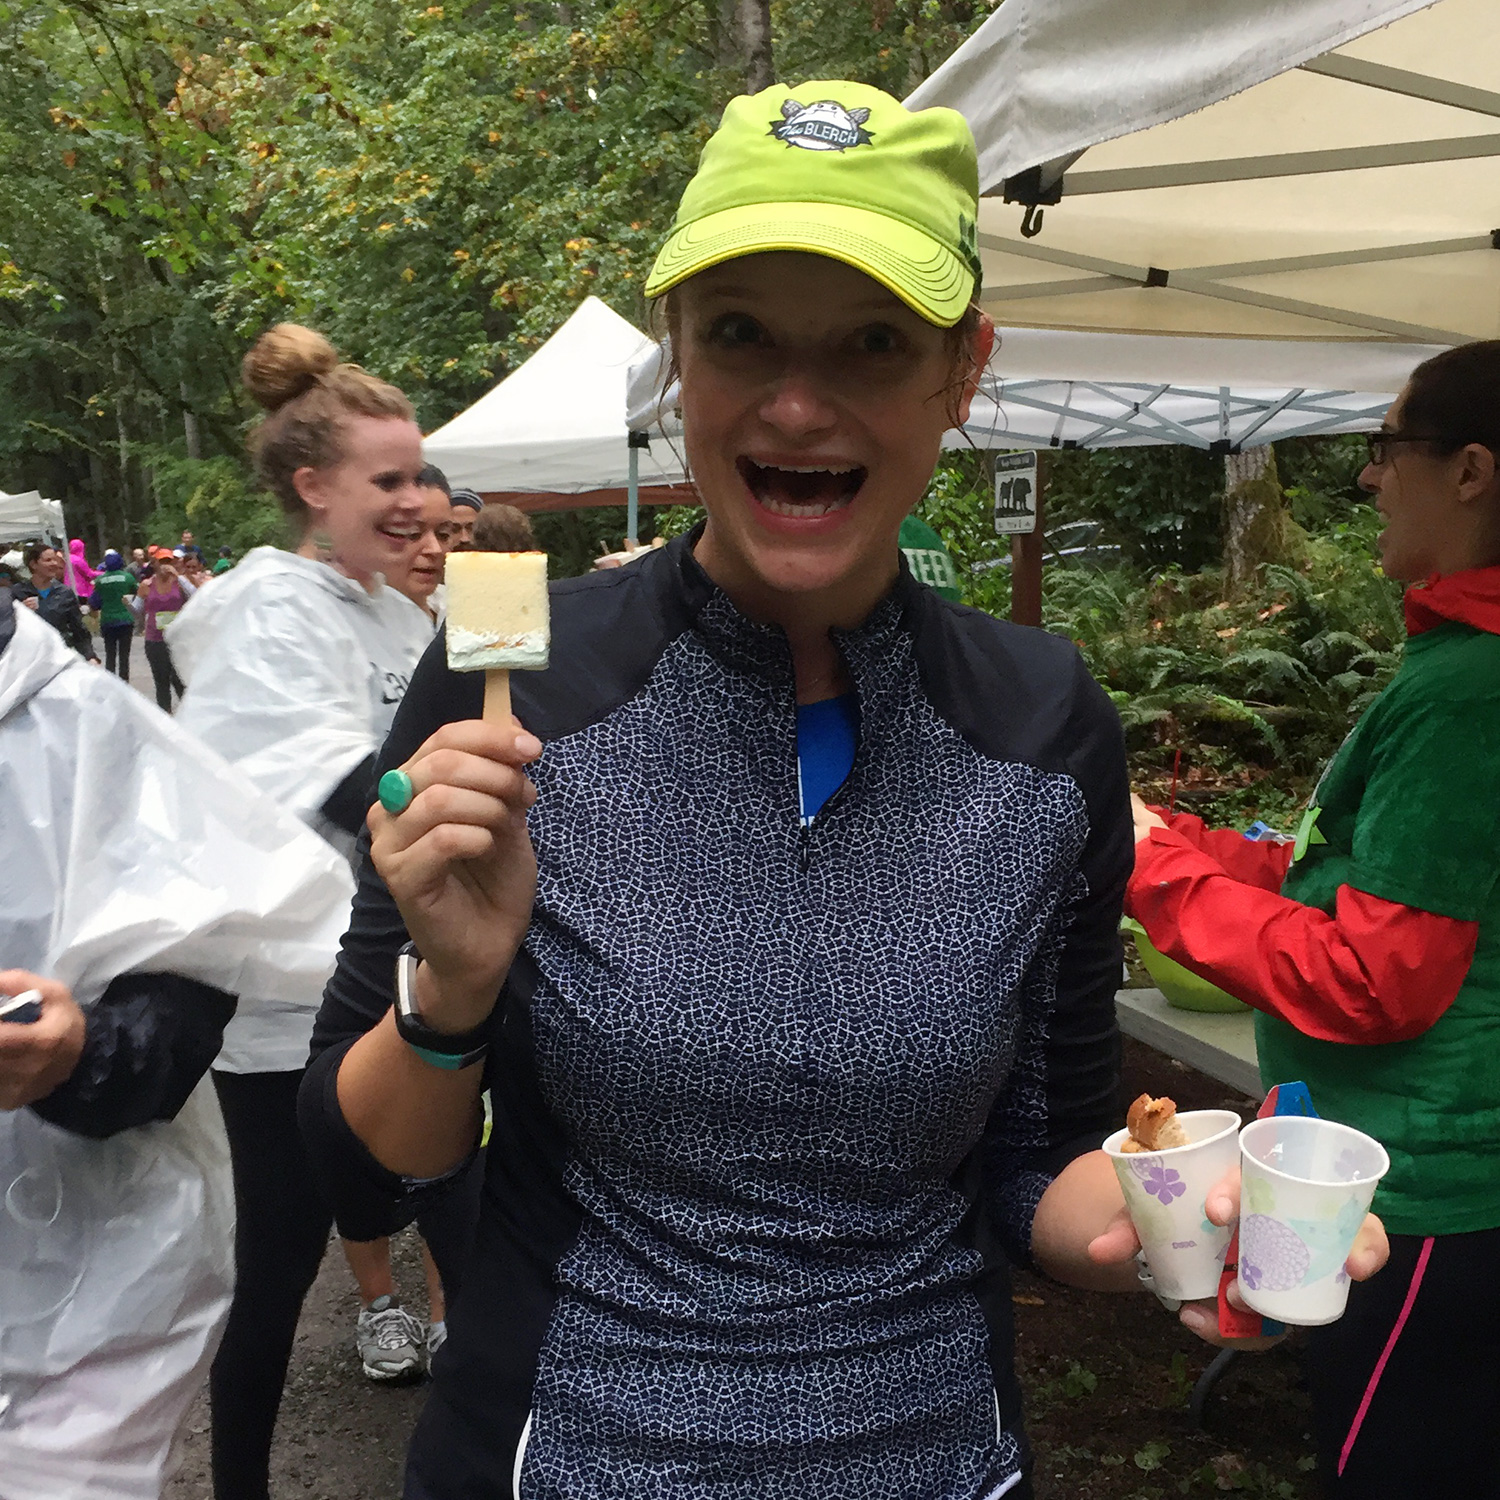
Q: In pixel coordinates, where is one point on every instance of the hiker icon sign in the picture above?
(1015, 494)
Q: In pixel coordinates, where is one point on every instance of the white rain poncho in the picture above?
(125, 846)
(294, 672)
(293, 675)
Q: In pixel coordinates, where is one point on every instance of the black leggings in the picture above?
(163, 673)
(1429, 1421)
(281, 1232)
(117, 648)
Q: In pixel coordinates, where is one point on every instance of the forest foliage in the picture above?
(436, 187)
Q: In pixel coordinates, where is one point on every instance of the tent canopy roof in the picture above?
(1047, 388)
(28, 516)
(556, 425)
(1280, 169)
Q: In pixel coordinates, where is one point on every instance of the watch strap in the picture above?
(449, 1051)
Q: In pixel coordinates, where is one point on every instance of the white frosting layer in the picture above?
(469, 651)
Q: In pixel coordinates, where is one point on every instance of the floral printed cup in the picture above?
(1166, 1191)
(1306, 1188)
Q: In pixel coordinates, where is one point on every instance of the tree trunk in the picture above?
(122, 438)
(1255, 516)
(189, 424)
(740, 35)
(753, 19)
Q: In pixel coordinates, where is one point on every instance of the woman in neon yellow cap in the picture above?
(783, 933)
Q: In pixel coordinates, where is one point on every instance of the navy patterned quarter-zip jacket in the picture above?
(773, 1104)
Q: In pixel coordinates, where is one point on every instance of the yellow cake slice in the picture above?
(497, 611)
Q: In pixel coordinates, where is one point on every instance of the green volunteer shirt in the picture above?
(1409, 811)
(928, 558)
(113, 589)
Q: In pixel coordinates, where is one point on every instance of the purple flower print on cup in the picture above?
(1163, 1183)
(1281, 1255)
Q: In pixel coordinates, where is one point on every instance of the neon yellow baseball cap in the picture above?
(843, 170)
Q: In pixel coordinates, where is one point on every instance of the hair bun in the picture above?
(286, 361)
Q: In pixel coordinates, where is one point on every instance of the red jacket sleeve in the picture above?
(1374, 972)
(1246, 860)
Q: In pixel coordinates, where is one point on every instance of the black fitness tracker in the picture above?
(443, 1050)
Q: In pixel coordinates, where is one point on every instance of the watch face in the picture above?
(406, 984)
(440, 1049)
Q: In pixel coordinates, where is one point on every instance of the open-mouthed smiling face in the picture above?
(814, 403)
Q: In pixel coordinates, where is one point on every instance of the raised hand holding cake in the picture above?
(498, 620)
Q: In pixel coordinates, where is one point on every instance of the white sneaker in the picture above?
(437, 1336)
(390, 1341)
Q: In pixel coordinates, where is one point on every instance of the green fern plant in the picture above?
(1252, 694)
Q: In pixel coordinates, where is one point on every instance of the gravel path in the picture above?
(341, 1437)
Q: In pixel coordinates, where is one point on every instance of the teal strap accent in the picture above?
(449, 1062)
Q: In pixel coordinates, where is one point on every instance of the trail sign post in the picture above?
(1015, 494)
(1018, 514)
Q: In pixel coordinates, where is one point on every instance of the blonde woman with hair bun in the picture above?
(294, 664)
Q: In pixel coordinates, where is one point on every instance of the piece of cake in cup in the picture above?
(1153, 1126)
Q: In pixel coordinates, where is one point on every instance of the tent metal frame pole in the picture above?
(1139, 420)
(1372, 414)
(1265, 416)
(1027, 289)
(1133, 409)
(1150, 433)
(1143, 409)
(1057, 257)
(1283, 164)
(635, 441)
(1416, 332)
(1163, 430)
(1358, 257)
(1400, 81)
(1186, 281)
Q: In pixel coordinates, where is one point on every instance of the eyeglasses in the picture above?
(1379, 443)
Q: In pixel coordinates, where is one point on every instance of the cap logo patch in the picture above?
(824, 126)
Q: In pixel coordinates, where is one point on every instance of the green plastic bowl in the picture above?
(1183, 988)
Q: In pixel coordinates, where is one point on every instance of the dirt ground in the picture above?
(1107, 1382)
(340, 1436)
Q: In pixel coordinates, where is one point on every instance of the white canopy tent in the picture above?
(1272, 169)
(552, 434)
(29, 517)
(1314, 173)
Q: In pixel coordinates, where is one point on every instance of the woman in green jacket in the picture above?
(1371, 949)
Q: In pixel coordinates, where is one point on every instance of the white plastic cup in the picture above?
(1305, 1190)
(1166, 1193)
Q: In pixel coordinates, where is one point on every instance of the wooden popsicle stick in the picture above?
(497, 697)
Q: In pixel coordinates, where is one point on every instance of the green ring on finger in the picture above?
(395, 791)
